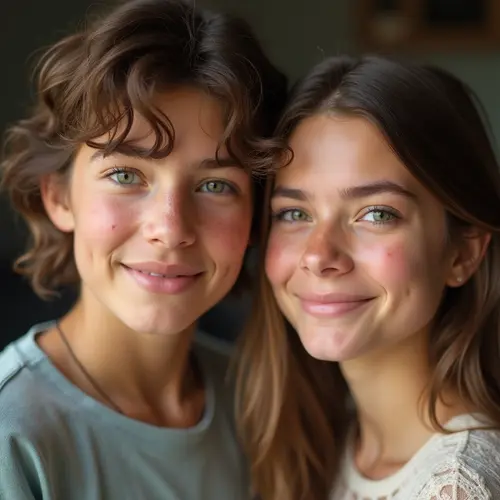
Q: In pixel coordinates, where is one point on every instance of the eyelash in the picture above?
(232, 189)
(279, 215)
(383, 209)
(121, 170)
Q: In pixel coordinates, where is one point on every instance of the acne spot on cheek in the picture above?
(401, 262)
(113, 227)
(396, 252)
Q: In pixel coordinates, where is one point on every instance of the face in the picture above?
(159, 242)
(358, 256)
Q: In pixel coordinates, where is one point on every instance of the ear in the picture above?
(469, 251)
(55, 198)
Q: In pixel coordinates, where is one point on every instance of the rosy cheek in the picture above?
(233, 238)
(228, 232)
(282, 259)
(105, 220)
(390, 264)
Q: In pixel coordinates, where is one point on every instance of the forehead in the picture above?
(191, 116)
(347, 150)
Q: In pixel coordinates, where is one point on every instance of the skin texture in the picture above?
(359, 256)
(384, 246)
(183, 211)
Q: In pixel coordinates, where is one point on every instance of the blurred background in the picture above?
(462, 36)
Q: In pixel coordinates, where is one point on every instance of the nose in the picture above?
(326, 253)
(170, 221)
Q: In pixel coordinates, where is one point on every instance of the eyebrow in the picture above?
(373, 188)
(294, 194)
(353, 192)
(208, 163)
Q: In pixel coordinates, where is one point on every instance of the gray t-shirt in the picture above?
(57, 443)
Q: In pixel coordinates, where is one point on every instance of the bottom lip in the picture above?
(332, 309)
(159, 283)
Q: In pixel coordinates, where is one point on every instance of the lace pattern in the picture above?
(464, 465)
(455, 481)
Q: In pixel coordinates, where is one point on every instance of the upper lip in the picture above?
(330, 298)
(167, 270)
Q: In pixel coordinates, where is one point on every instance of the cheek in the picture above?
(392, 265)
(282, 258)
(104, 222)
(403, 266)
(226, 231)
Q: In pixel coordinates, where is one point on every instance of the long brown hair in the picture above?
(94, 82)
(293, 409)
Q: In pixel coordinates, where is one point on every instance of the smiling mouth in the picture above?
(163, 271)
(332, 309)
(169, 276)
(171, 283)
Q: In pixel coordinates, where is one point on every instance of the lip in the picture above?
(156, 277)
(332, 305)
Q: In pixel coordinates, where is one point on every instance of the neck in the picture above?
(148, 377)
(389, 390)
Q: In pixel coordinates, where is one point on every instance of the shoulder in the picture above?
(464, 465)
(28, 430)
(29, 403)
(18, 382)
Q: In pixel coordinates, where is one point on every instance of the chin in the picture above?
(326, 353)
(329, 345)
(161, 324)
(322, 353)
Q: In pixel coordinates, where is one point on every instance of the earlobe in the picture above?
(473, 247)
(55, 199)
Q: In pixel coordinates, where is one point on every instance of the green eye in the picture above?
(298, 215)
(379, 216)
(293, 215)
(125, 177)
(216, 187)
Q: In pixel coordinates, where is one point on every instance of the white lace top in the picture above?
(461, 466)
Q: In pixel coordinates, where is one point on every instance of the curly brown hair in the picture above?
(93, 82)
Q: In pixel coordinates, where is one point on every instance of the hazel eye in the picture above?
(292, 215)
(216, 187)
(379, 216)
(125, 177)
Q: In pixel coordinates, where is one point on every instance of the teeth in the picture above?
(156, 275)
